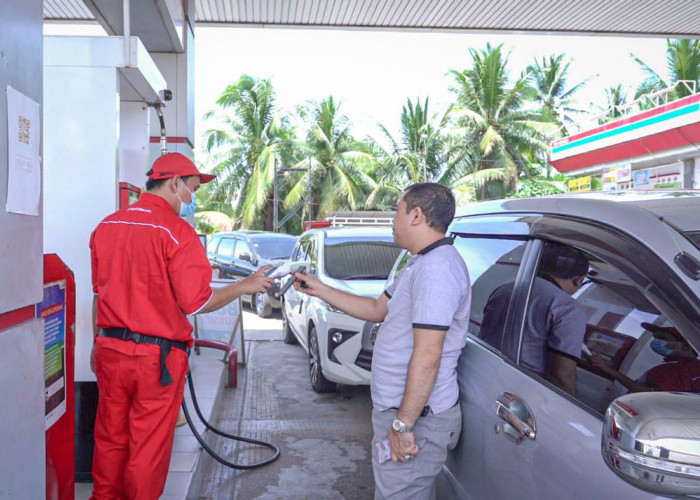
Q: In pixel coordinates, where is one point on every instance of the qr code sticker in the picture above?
(24, 129)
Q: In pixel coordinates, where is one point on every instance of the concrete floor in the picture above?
(324, 438)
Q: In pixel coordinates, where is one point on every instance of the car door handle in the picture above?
(519, 422)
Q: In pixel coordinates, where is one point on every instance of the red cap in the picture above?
(668, 330)
(172, 164)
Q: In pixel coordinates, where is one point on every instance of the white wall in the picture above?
(81, 130)
(134, 159)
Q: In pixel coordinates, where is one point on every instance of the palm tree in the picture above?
(549, 84)
(683, 64)
(503, 136)
(338, 165)
(616, 98)
(417, 155)
(249, 137)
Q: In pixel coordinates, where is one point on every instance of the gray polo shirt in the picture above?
(433, 291)
(554, 322)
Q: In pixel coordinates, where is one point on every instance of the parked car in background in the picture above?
(238, 254)
(523, 436)
(356, 260)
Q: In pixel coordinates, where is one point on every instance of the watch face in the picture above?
(396, 424)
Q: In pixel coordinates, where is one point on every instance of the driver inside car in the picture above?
(680, 370)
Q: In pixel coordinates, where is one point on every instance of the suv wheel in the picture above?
(262, 305)
(319, 383)
(287, 333)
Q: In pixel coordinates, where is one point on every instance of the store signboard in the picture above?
(580, 184)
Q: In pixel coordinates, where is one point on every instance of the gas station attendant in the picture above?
(149, 271)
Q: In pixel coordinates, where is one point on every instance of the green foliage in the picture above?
(499, 131)
(528, 188)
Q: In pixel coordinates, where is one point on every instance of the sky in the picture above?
(372, 73)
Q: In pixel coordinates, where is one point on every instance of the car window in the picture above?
(493, 265)
(312, 255)
(633, 346)
(225, 251)
(242, 247)
(694, 236)
(274, 248)
(303, 250)
(211, 247)
(589, 330)
(356, 260)
(401, 262)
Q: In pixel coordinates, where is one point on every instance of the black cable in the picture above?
(211, 452)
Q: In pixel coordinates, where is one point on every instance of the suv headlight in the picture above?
(333, 309)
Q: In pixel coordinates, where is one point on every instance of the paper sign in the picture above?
(23, 145)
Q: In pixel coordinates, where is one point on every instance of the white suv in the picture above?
(355, 260)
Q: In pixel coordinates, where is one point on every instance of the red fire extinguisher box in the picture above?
(58, 311)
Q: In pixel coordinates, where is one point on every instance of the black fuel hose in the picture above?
(211, 452)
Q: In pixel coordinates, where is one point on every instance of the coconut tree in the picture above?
(682, 64)
(490, 113)
(415, 156)
(247, 137)
(615, 98)
(549, 80)
(337, 165)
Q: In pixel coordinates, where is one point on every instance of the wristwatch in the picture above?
(399, 426)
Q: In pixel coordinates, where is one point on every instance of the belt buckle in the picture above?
(134, 336)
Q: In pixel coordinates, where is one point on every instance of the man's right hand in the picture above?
(257, 282)
(311, 284)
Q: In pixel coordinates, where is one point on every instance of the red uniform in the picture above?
(149, 271)
(677, 374)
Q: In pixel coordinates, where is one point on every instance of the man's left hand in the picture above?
(403, 446)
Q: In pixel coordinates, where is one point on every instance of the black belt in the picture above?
(424, 413)
(140, 338)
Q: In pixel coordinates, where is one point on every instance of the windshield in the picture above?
(274, 248)
(357, 260)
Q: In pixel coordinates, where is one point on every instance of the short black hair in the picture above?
(435, 200)
(563, 261)
(156, 183)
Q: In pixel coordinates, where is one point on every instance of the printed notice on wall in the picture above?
(23, 143)
(53, 311)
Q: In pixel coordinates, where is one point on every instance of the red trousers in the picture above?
(136, 419)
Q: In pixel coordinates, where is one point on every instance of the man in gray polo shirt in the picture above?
(425, 314)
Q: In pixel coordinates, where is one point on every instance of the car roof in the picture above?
(679, 208)
(250, 233)
(352, 231)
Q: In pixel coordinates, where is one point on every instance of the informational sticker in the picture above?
(641, 178)
(624, 173)
(610, 179)
(52, 309)
(23, 146)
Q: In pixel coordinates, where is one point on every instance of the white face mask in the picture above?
(188, 208)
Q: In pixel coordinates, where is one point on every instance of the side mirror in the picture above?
(652, 441)
(247, 257)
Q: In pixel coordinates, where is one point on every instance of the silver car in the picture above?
(632, 428)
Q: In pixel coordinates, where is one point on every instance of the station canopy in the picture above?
(662, 18)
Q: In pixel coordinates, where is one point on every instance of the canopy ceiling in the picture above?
(666, 18)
